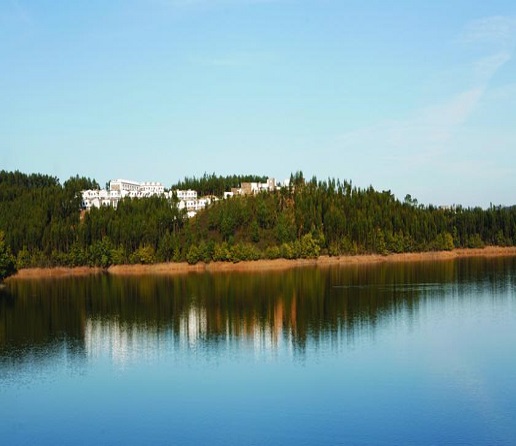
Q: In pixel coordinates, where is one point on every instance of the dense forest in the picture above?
(42, 224)
(216, 185)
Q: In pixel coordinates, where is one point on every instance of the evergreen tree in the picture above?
(43, 224)
(7, 260)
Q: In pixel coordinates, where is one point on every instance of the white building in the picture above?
(187, 199)
(186, 194)
(98, 198)
(194, 204)
(149, 189)
(253, 188)
(121, 185)
(119, 189)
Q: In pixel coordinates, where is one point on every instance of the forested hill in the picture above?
(43, 225)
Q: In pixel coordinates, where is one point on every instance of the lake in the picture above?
(410, 353)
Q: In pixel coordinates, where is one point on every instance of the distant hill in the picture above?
(43, 226)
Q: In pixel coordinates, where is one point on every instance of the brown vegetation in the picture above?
(264, 265)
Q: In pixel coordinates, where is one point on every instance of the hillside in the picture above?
(41, 223)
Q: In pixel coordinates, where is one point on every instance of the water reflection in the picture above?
(125, 318)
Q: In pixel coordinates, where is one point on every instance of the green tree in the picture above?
(144, 255)
(7, 260)
(309, 247)
(193, 256)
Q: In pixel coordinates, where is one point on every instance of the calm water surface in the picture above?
(417, 354)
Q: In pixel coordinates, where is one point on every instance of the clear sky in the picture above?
(413, 96)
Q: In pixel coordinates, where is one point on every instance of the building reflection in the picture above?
(124, 343)
(289, 311)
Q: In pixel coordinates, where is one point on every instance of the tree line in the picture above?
(42, 224)
(211, 184)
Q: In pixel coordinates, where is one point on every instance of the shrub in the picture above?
(144, 255)
(118, 256)
(443, 242)
(244, 251)
(290, 250)
(310, 249)
(475, 241)
(100, 253)
(272, 252)
(23, 259)
(193, 255)
(221, 252)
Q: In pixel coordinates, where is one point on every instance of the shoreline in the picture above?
(262, 265)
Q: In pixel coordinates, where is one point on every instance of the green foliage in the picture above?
(23, 259)
(255, 232)
(100, 253)
(502, 240)
(7, 260)
(119, 256)
(144, 255)
(443, 242)
(43, 225)
(244, 251)
(272, 252)
(206, 250)
(193, 256)
(78, 255)
(166, 247)
(75, 184)
(285, 229)
(343, 246)
(475, 241)
(310, 249)
(221, 252)
(378, 242)
(290, 250)
(399, 242)
(216, 185)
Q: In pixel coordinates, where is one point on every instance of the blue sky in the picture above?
(413, 97)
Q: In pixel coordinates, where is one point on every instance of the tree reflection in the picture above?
(297, 307)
